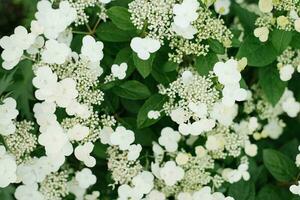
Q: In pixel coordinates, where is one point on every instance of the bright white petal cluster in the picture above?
(28, 192)
(169, 139)
(229, 75)
(8, 167)
(222, 6)
(144, 47)
(82, 153)
(119, 71)
(122, 138)
(55, 52)
(171, 173)
(85, 178)
(14, 46)
(51, 21)
(8, 114)
(235, 175)
(204, 193)
(185, 13)
(91, 49)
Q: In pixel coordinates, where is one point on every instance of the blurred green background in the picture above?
(14, 13)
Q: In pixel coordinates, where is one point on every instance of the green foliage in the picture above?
(111, 33)
(259, 54)
(133, 90)
(144, 67)
(271, 84)
(242, 190)
(155, 103)
(279, 165)
(120, 17)
(281, 39)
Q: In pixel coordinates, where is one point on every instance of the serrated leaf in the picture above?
(144, 67)
(246, 17)
(258, 53)
(133, 90)
(279, 165)
(281, 39)
(155, 103)
(120, 17)
(271, 84)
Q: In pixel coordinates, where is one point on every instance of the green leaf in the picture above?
(111, 33)
(246, 17)
(133, 90)
(144, 67)
(205, 64)
(268, 192)
(5, 81)
(295, 41)
(170, 66)
(120, 17)
(125, 55)
(279, 165)
(271, 84)
(7, 193)
(216, 46)
(100, 150)
(242, 190)
(22, 89)
(258, 53)
(155, 103)
(281, 39)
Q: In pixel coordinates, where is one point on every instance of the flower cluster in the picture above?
(103, 108)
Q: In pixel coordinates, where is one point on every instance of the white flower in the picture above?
(297, 25)
(179, 115)
(134, 151)
(187, 32)
(28, 192)
(205, 193)
(82, 153)
(251, 149)
(197, 127)
(273, 129)
(171, 173)
(8, 167)
(122, 137)
(119, 71)
(105, 134)
(224, 114)
(200, 109)
(295, 189)
(46, 82)
(262, 33)
(8, 113)
(182, 158)
(85, 178)
(265, 5)
(185, 13)
(153, 114)
(169, 139)
(156, 195)
(36, 46)
(126, 192)
(91, 49)
(80, 110)
(143, 182)
(291, 107)
(55, 141)
(54, 21)
(235, 175)
(66, 92)
(184, 196)
(78, 132)
(187, 77)
(14, 46)
(215, 142)
(55, 52)
(227, 73)
(222, 6)
(105, 1)
(286, 72)
(144, 46)
(232, 93)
